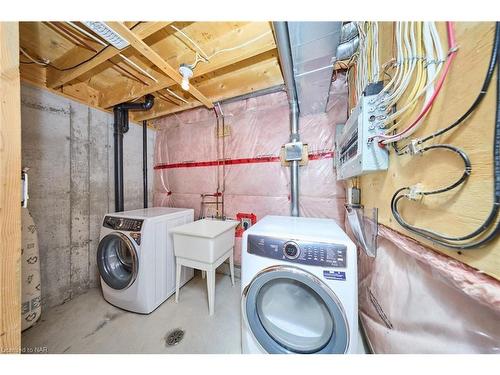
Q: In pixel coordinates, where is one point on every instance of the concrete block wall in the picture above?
(69, 150)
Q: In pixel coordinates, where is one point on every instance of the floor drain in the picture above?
(174, 337)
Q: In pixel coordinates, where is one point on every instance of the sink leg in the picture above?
(231, 267)
(203, 274)
(177, 281)
(211, 291)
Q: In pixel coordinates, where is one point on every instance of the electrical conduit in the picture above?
(285, 56)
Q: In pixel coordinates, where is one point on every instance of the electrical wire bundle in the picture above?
(420, 59)
(488, 230)
(367, 65)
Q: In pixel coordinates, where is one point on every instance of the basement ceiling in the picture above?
(244, 60)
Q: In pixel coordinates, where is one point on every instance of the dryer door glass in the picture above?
(117, 261)
(289, 310)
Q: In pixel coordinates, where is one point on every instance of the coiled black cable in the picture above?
(465, 175)
(444, 240)
(77, 64)
(482, 92)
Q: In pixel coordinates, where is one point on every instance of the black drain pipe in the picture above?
(145, 161)
(121, 127)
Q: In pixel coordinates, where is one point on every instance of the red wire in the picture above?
(452, 53)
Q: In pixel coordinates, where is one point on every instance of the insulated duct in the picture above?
(347, 49)
(349, 32)
(120, 112)
(313, 46)
(349, 41)
(285, 56)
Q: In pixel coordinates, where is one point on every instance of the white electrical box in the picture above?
(355, 153)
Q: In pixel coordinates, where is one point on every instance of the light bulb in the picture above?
(185, 83)
(186, 73)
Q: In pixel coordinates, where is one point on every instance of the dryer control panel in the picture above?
(297, 251)
(124, 224)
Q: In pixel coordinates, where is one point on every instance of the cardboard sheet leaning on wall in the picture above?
(255, 181)
(31, 295)
(415, 300)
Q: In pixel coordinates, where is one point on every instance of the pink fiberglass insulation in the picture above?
(415, 300)
(258, 128)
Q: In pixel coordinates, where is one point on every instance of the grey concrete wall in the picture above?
(69, 150)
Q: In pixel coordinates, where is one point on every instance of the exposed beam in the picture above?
(10, 190)
(119, 93)
(156, 59)
(257, 74)
(56, 78)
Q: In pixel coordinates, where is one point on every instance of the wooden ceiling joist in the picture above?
(119, 94)
(259, 73)
(57, 78)
(156, 59)
(241, 59)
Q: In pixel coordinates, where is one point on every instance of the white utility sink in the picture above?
(204, 240)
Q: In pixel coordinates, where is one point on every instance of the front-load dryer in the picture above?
(135, 257)
(299, 287)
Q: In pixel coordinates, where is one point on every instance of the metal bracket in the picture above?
(24, 187)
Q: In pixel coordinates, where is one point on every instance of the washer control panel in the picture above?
(124, 224)
(297, 251)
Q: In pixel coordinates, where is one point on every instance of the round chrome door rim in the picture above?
(297, 271)
(133, 252)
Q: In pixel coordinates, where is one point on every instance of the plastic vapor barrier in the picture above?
(254, 181)
(415, 300)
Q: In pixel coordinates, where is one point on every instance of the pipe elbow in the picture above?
(149, 102)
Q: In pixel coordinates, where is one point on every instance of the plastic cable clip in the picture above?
(415, 192)
(414, 147)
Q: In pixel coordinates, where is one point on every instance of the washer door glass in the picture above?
(291, 311)
(117, 261)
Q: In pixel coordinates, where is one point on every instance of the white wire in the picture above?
(204, 55)
(399, 69)
(138, 67)
(239, 46)
(177, 96)
(220, 109)
(43, 62)
(429, 58)
(374, 55)
(361, 75)
(105, 44)
(441, 56)
(410, 48)
(87, 33)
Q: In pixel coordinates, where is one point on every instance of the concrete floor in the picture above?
(88, 324)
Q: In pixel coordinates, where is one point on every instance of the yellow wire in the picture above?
(419, 80)
(418, 88)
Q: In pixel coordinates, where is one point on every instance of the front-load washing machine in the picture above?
(299, 287)
(135, 257)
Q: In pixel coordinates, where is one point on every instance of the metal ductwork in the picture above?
(314, 48)
(120, 112)
(347, 49)
(349, 41)
(285, 56)
(307, 54)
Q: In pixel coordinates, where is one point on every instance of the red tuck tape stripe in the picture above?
(262, 159)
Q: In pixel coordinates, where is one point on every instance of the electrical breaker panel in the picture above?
(356, 153)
